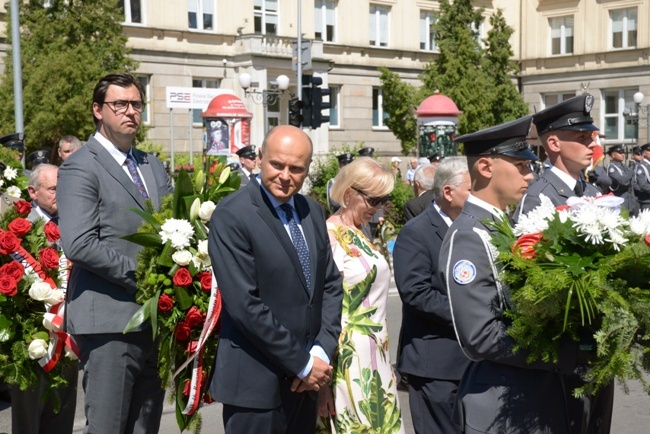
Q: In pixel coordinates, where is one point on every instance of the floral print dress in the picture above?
(364, 388)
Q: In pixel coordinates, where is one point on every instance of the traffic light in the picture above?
(306, 100)
(317, 104)
(295, 111)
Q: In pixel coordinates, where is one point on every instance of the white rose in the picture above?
(182, 257)
(70, 354)
(40, 291)
(13, 191)
(56, 297)
(37, 349)
(206, 210)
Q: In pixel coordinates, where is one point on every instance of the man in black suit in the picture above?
(422, 186)
(281, 295)
(429, 351)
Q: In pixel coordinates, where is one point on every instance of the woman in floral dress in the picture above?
(363, 394)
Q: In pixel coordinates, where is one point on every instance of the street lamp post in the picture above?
(265, 97)
(641, 116)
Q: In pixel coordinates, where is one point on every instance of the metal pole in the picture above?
(18, 72)
(265, 103)
(171, 136)
(299, 65)
(191, 123)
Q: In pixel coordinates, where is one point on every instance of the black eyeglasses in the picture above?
(373, 201)
(121, 106)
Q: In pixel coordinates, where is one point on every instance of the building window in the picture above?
(325, 20)
(478, 32)
(379, 28)
(132, 11)
(203, 83)
(550, 99)
(144, 81)
(200, 14)
(266, 17)
(427, 35)
(378, 114)
(561, 35)
(616, 102)
(334, 107)
(624, 25)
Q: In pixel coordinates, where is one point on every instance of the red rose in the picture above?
(525, 245)
(182, 331)
(205, 277)
(561, 208)
(14, 269)
(19, 226)
(182, 278)
(9, 243)
(208, 399)
(23, 207)
(8, 286)
(647, 240)
(194, 317)
(165, 303)
(52, 232)
(49, 258)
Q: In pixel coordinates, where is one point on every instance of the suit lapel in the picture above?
(147, 174)
(437, 222)
(106, 160)
(271, 218)
(560, 186)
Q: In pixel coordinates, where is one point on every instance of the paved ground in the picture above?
(631, 412)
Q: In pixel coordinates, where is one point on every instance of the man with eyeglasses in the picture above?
(568, 135)
(96, 189)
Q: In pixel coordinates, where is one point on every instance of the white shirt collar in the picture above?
(565, 177)
(486, 206)
(444, 216)
(274, 202)
(119, 156)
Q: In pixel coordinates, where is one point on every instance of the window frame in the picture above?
(204, 81)
(263, 13)
(562, 20)
(335, 104)
(624, 100)
(430, 42)
(377, 24)
(199, 13)
(625, 32)
(127, 13)
(320, 15)
(378, 120)
(146, 113)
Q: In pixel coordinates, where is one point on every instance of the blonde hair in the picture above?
(365, 174)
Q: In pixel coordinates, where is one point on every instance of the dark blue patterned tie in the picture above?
(298, 242)
(135, 175)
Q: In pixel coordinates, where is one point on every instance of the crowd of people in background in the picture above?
(303, 338)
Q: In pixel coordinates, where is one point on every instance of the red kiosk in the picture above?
(227, 125)
(437, 126)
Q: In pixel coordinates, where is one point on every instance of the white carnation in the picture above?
(182, 257)
(537, 219)
(37, 349)
(13, 191)
(178, 231)
(205, 212)
(10, 173)
(40, 291)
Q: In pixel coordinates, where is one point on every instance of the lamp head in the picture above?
(245, 80)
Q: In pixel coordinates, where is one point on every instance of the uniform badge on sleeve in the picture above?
(464, 272)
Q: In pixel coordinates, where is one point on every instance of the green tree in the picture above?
(66, 47)
(478, 80)
(506, 102)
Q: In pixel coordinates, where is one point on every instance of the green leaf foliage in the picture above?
(66, 48)
(477, 78)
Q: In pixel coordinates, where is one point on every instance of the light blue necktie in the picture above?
(298, 242)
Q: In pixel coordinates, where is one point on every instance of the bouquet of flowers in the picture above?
(33, 280)
(13, 183)
(580, 271)
(176, 287)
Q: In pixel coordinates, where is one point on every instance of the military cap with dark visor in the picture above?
(247, 152)
(572, 114)
(505, 139)
(14, 141)
(345, 159)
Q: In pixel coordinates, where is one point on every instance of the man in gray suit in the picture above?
(429, 351)
(97, 186)
(32, 412)
(500, 391)
(281, 295)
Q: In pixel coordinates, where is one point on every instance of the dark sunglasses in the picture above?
(373, 201)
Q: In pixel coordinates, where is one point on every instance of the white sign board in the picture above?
(192, 97)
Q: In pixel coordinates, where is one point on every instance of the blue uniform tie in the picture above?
(298, 242)
(135, 175)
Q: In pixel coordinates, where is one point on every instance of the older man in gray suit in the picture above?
(97, 186)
